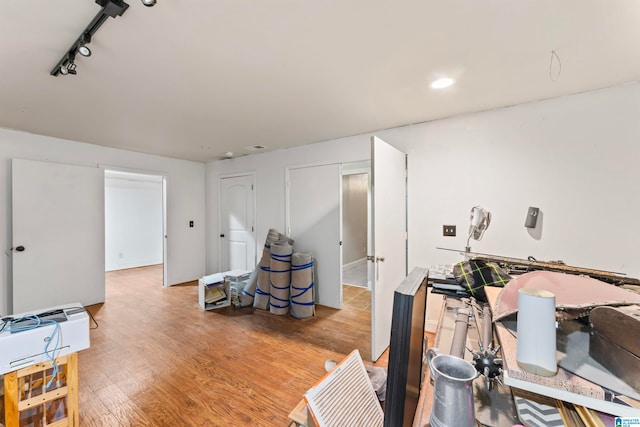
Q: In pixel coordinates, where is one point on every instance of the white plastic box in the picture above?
(209, 287)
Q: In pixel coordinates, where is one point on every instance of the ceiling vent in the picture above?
(255, 147)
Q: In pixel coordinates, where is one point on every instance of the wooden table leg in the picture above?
(11, 415)
(72, 388)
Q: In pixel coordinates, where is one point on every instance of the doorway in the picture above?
(134, 221)
(313, 204)
(356, 288)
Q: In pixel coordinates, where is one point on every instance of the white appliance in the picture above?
(24, 343)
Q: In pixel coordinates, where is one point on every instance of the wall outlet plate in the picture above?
(449, 230)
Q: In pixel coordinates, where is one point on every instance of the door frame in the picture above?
(163, 176)
(252, 174)
(359, 167)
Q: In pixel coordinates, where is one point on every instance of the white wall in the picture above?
(576, 158)
(354, 217)
(270, 184)
(133, 221)
(185, 197)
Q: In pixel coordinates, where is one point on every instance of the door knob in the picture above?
(20, 248)
(222, 235)
(377, 260)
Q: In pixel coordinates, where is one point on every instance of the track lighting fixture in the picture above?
(110, 8)
(148, 3)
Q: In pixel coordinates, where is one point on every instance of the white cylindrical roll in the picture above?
(302, 293)
(249, 290)
(258, 291)
(536, 347)
(280, 277)
(262, 290)
(272, 236)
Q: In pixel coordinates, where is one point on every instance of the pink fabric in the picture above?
(571, 291)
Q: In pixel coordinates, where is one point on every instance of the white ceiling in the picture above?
(194, 79)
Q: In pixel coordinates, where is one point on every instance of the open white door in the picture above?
(237, 230)
(313, 221)
(388, 254)
(58, 235)
(165, 262)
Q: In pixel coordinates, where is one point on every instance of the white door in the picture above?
(388, 254)
(313, 221)
(237, 228)
(164, 233)
(58, 235)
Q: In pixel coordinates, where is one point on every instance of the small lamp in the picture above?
(478, 222)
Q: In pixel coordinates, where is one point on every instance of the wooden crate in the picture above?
(28, 403)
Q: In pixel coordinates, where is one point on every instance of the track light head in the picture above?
(84, 50)
(148, 3)
(68, 68)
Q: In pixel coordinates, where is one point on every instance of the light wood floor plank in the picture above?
(157, 359)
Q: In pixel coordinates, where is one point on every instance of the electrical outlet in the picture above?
(449, 230)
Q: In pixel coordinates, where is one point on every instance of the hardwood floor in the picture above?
(157, 359)
(356, 297)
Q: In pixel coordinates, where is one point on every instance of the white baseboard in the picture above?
(352, 263)
(132, 264)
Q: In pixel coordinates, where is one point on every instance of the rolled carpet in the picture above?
(280, 277)
(302, 292)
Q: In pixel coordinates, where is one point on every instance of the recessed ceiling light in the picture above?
(442, 83)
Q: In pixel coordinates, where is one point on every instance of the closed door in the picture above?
(237, 228)
(58, 235)
(313, 221)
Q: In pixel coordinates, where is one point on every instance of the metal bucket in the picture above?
(452, 390)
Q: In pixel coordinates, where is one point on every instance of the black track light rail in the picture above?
(110, 8)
